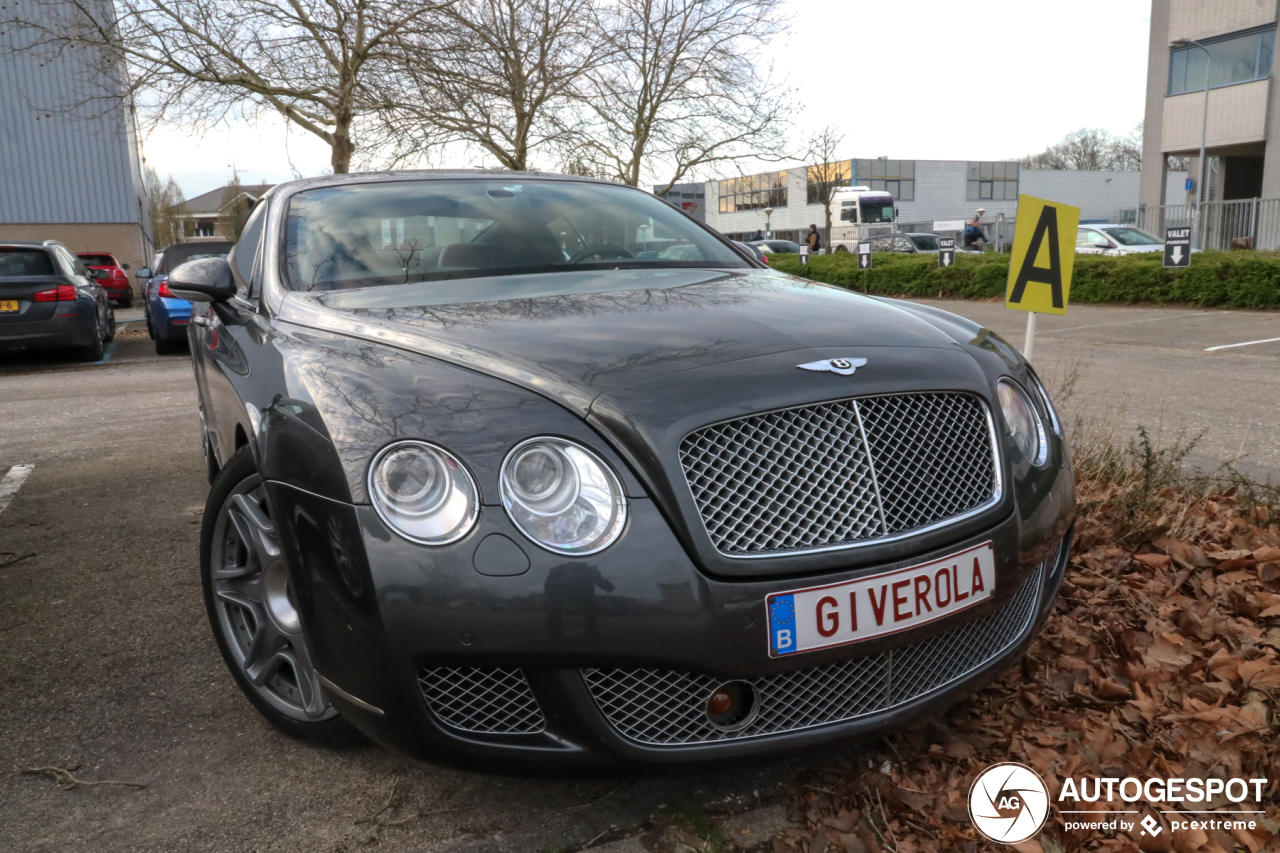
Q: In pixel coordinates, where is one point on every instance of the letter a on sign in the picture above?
(1044, 253)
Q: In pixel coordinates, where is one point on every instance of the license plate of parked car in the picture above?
(8, 305)
(835, 614)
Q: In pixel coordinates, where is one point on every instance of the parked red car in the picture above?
(117, 283)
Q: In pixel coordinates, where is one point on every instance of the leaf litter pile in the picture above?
(1161, 659)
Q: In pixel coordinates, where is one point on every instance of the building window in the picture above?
(896, 177)
(754, 192)
(1235, 59)
(204, 228)
(993, 182)
(822, 180)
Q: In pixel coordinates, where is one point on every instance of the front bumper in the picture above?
(438, 654)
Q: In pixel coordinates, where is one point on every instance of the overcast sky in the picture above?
(922, 80)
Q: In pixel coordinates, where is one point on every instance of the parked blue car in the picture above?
(167, 315)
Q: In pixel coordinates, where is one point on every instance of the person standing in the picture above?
(759, 235)
(813, 239)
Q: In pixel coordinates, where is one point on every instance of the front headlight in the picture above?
(562, 496)
(1055, 423)
(423, 492)
(1024, 425)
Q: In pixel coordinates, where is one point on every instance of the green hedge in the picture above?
(1239, 279)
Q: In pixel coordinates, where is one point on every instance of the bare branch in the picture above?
(199, 62)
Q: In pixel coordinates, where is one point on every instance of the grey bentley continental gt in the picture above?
(525, 468)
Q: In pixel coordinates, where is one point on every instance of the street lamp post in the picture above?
(1197, 223)
(768, 212)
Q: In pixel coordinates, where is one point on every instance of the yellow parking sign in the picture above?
(1044, 253)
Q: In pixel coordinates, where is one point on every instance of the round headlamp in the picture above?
(562, 496)
(423, 492)
(1055, 423)
(1024, 425)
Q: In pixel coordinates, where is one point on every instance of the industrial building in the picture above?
(926, 192)
(72, 173)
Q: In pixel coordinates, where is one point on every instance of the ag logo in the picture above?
(1008, 803)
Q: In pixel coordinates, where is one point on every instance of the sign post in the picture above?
(864, 256)
(946, 252)
(804, 254)
(1177, 247)
(1044, 255)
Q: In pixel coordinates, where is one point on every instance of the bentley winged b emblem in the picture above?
(843, 366)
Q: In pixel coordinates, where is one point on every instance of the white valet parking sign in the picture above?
(864, 255)
(1177, 247)
(946, 251)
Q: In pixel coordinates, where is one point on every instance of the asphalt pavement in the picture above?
(1182, 373)
(107, 665)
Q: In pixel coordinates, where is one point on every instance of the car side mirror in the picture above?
(143, 272)
(205, 280)
(124, 266)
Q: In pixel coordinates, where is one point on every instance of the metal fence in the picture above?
(1254, 221)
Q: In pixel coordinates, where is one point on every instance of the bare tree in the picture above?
(201, 61)
(679, 89)
(235, 209)
(1091, 150)
(827, 174)
(167, 206)
(491, 75)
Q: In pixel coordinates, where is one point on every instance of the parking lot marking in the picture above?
(1132, 322)
(1245, 344)
(12, 482)
(106, 356)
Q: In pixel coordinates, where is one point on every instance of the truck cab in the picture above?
(858, 213)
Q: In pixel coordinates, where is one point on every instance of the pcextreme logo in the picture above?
(1008, 803)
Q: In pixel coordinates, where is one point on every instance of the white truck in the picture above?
(858, 213)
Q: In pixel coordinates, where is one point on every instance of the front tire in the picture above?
(250, 603)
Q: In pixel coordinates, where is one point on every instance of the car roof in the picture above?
(921, 234)
(28, 244)
(393, 175)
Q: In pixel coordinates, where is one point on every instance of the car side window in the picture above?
(245, 249)
(1084, 238)
(70, 263)
(902, 244)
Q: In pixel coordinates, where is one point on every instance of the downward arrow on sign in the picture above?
(946, 260)
(1177, 254)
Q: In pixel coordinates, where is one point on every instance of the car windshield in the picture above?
(22, 262)
(366, 235)
(97, 260)
(925, 242)
(876, 211)
(1131, 236)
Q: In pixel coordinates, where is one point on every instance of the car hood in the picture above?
(575, 336)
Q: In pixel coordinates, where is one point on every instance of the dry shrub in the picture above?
(1161, 659)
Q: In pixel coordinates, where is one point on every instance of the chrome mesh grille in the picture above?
(851, 471)
(666, 708)
(493, 700)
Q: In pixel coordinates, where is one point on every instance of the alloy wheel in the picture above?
(255, 607)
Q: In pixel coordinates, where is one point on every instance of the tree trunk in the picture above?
(341, 146)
